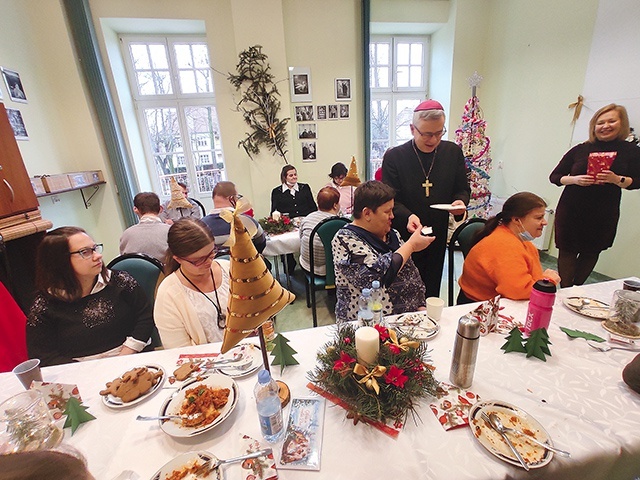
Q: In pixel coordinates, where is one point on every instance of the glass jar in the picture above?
(26, 424)
(625, 307)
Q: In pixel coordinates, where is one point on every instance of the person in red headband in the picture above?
(427, 171)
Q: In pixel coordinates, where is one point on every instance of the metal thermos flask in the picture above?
(465, 352)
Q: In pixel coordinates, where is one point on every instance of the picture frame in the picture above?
(321, 112)
(304, 113)
(17, 124)
(14, 85)
(332, 113)
(344, 111)
(300, 83)
(307, 130)
(343, 89)
(309, 153)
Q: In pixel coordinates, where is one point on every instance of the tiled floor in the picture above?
(297, 316)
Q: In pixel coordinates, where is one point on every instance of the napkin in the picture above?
(487, 314)
(202, 359)
(452, 405)
(56, 395)
(260, 468)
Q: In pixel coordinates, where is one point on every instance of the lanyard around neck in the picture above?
(218, 307)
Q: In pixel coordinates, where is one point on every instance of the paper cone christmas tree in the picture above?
(352, 179)
(255, 295)
(177, 198)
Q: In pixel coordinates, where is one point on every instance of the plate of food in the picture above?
(250, 360)
(133, 386)
(183, 467)
(622, 329)
(446, 206)
(535, 455)
(415, 324)
(588, 307)
(203, 404)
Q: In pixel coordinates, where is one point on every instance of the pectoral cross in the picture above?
(426, 186)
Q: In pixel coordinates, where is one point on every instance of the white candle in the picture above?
(367, 345)
(275, 215)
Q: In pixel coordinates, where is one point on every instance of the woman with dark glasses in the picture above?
(82, 310)
(191, 302)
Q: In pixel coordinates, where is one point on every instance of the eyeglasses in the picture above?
(234, 198)
(430, 135)
(87, 252)
(202, 260)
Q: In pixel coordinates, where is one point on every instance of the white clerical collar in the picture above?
(150, 218)
(286, 187)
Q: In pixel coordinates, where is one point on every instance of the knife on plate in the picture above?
(499, 429)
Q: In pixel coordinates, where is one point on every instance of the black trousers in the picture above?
(430, 263)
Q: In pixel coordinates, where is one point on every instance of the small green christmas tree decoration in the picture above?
(76, 414)
(514, 342)
(581, 334)
(537, 344)
(282, 352)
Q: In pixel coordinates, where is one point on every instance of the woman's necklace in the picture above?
(219, 317)
(426, 183)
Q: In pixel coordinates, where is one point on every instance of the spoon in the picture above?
(169, 417)
(533, 439)
(586, 303)
(495, 422)
(606, 348)
(209, 466)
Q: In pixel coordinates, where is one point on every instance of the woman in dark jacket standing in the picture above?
(589, 207)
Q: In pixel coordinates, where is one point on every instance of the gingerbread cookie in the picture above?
(132, 384)
(186, 369)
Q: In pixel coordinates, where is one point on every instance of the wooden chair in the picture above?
(461, 240)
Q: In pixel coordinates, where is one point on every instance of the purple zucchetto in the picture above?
(429, 105)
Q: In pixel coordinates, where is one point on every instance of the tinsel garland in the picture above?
(476, 149)
(402, 376)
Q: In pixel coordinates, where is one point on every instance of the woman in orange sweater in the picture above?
(503, 260)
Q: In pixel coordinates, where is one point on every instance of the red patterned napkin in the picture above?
(261, 468)
(487, 314)
(56, 395)
(452, 405)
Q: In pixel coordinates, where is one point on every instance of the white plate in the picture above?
(171, 406)
(114, 402)
(186, 460)
(595, 309)
(415, 324)
(493, 442)
(446, 206)
(251, 360)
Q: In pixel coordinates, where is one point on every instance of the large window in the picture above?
(172, 86)
(398, 81)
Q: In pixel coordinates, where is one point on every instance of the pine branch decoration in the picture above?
(259, 104)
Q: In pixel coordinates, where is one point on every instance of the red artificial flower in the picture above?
(395, 376)
(343, 364)
(286, 220)
(394, 349)
(384, 333)
(347, 340)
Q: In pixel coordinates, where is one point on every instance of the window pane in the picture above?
(183, 56)
(204, 80)
(404, 117)
(163, 131)
(402, 53)
(163, 83)
(200, 56)
(379, 119)
(187, 81)
(140, 56)
(159, 56)
(415, 76)
(402, 77)
(204, 136)
(382, 56)
(145, 83)
(416, 54)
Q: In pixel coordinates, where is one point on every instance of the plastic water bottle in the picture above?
(269, 408)
(543, 296)
(376, 302)
(365, 315)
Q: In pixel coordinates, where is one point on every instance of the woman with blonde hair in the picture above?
(191, 302)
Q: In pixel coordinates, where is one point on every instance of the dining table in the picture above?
(282, 244)
(576, 394)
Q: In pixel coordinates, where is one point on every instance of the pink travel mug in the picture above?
(543, 296)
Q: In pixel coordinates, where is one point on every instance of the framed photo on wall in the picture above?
(17, 124)
(307, 130)
(321, 112)
(14, 85)
(343, 89)
(308, 151)
(333, 112)
(300, 80)
(344, 111)
(304, 113)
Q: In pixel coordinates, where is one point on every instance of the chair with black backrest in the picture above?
(326, 230)
(461, 240)
(199, 203)
(147, 271)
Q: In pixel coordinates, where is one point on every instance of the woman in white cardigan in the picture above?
(191, 302)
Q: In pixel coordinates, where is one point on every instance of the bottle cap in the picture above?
(375, 284)
(366, 292)
(264, 376)
(544, 285)
(469, 327)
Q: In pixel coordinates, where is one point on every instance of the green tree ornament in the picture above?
(282, 352)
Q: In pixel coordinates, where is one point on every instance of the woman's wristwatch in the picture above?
(622, 180)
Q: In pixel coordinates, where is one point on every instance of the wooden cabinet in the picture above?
(16, 194)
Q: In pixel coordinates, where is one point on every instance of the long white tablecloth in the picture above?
(577, 394)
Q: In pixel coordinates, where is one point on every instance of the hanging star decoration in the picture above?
(76, 414)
